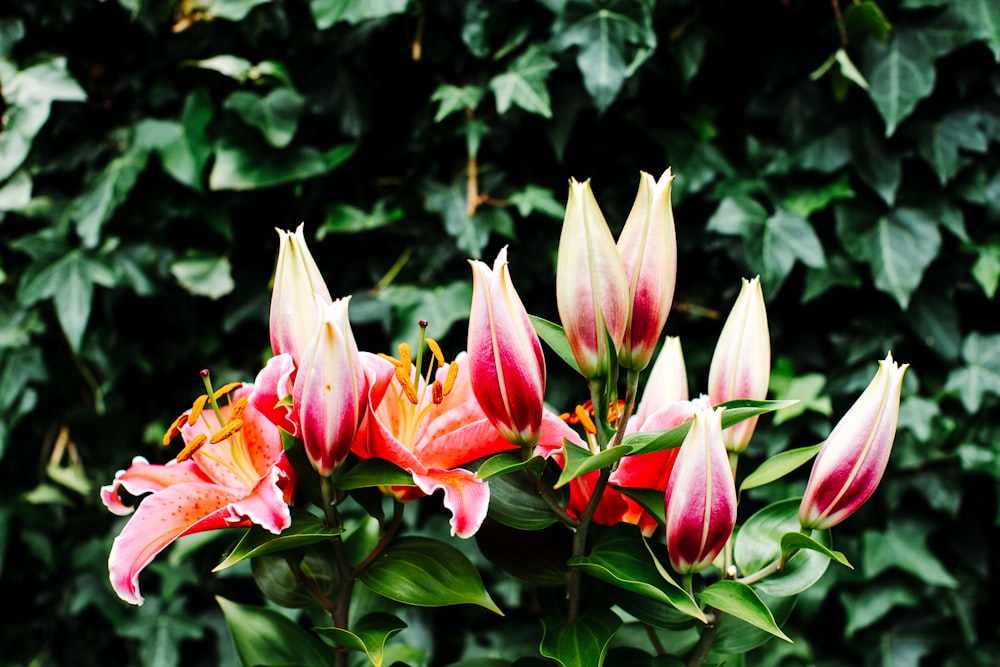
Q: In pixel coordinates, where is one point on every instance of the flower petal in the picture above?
(466, 497)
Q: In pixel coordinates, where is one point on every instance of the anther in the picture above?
(192, 447)
(238, 408)
(174, 429)
(196, 408)
(435, 350)
(225, 389)
(449, 380)
(588, 423)
(437, 392)
(406, 383)
(404, 356)
(232, 427)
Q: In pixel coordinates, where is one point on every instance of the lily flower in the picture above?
(294, 304)
(648, 248)
(591, 288)
(431, 426)
(232, 473)
(505, 356)
(701, 495)
(851, 462)
(741, 364)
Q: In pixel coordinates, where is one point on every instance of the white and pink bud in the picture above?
(294, 306)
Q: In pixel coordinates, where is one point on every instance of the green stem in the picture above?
(580, 545)
(342, 605)
(384, 540)
(704, 645)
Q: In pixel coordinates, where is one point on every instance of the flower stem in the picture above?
(704, 645)
(342, 605)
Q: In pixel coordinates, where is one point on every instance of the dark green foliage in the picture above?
(148, 150)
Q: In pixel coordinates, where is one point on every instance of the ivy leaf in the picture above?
(785, 239)
(523, 83)
(534, 198)
(203, 274)
(957, 131)
(471, 232)
(981, 374)
(986, 269)
(741, 601)
(347, 219)
(268, 637)
(276, 115)
(900, 73)
(583, 643)
(247, 167)
(369, 634)
(441, 306)
(305, 529)
(982, 19)
(427, 573)
(898, 247)
(904, 545)
(455, 99)
(231, 10)
(328, 13)
(879, 168)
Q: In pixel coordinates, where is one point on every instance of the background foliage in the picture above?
(148, 150)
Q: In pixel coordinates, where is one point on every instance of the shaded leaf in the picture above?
(900, 74)
(455, 99)
(523, 83)
(778, 466)
(579, 461)
(903, 545)
(347, 219)
(305, 529)
(327, 13)
(246, 167)
(555, 338)
(374, 472)
(580, 644)
(470, 232)
(981, 374)
(506, 463)
(268, 637)
(276, 115)
(202, 274)
(369, 634)
(739, 600)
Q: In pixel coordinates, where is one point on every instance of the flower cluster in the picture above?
(661, 462)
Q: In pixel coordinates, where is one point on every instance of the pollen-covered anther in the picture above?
(405, 359)
(225, 389)
(238, 408)
(192, 447)
(435, 349)
(437, 392)
(226, 431)
(449, 380)
(402, 374)
(196, 408)
(175, 429)
(585, 420)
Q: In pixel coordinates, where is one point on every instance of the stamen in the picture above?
(392, 360)
(225, 389)
(174, 429)
(449, 380)
(585, 420)
(192, 447)
(232, 427)
(437, 392)
(196, 408)
(404, 356)
(435, 350)
(238, 408)
(406, 383)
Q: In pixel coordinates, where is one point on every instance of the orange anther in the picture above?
(196, 409)
(402, 374)
(449, 380)
(225, 389)
(192, 447)
(174, 429)
(437, 392)
(435, 349)
(233, 426)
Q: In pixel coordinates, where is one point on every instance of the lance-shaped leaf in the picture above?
(739, 600)
(369, 635)
(778, 466)
(305, 529)
(583, 643)
(374, 472)
(505, 463)
(427, 573)
(579, 461)
(792, 542)
(268, 637)
(555, 337)
(650, 499)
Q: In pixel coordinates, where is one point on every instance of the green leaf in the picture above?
(900, 74)
(276, 115)
(104, 193)
(792, 542)
(785, 239)
(469, 231)
(374, 472)
(268, 637)
(652, 500)
(808, 389)
(580, 644)
(369, 634)
(981, 374)
(866, 17)
(230, 10)
(455, 99)
(534, 198)
(183, 146)
(305, 529)
(903, 545)
(986, 269)
(506, 463)
(523, 83)
(622, 557)
(758, 545)
(803, 202)
(877, 165)
(15, 194)
(614, 37)
(347, 219)
(955, 132)
(328, 13)
(578, 460)
(555, 338)
(247, 167)
(202, 274)
(741, 601)
(934, 318)
(898, 247)
(778, 466)
(866, 606)
(515, 502)
(982, 19)
(739, 216)
(427, 573)
(440, 306)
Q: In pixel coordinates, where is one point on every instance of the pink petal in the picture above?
(466, 497)
(145, 477)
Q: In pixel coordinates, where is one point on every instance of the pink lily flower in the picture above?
(851, 462)
(329, 390)
(591, 288)
(701, 495)
(741, 364)
(431, 428)
(232, 473)
(648, 248)
(294, 304)
(505, 356)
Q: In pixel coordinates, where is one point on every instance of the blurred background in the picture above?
(844, 151)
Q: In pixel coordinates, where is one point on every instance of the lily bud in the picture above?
(294, 308)
(851, 462)
(701, 495)
(330, 387)
(648, 248)
(506, 363)
(591, 288)
(741, 364)
(667, 380)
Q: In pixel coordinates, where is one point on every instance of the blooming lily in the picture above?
(330, 386)
(232, 473)
(701, 495)
(591, 288)
(294, 306)
(741, 364)
(648, 248)
(431, 426)
(851, 462)
(505, 357)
